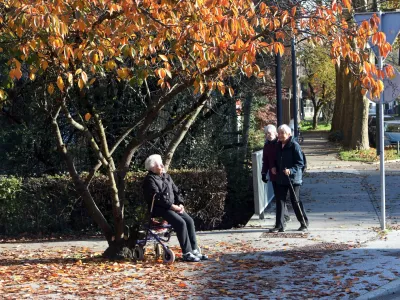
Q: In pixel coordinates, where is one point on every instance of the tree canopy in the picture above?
(72, 42)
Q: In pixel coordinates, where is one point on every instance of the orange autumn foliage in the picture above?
(196, 42)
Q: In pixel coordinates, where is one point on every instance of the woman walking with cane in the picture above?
(269, 163)
(289, 163)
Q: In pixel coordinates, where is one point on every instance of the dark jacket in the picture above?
(167, 193)
(290, 157)
(269, 158)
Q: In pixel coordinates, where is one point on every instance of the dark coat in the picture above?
(167, 193)
(269, 158)
(290, 157)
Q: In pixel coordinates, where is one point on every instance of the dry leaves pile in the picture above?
(82, 273)
(235, 269)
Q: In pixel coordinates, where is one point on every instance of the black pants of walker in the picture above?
(297, 205)
(285, 210)
(183, 225)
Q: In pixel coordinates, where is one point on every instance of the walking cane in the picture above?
(297, 202)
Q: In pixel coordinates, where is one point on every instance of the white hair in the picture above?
(269, 128)
(151, 161)
(286, 129)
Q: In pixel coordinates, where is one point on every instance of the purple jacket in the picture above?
(269, 158)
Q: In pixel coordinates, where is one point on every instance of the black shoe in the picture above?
(277, 229)
(302, 228)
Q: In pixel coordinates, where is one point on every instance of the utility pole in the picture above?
(294, 82)
(279, 118)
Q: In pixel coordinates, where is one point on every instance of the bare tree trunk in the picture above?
(316, 106)
(317, 110)
(105, 157)
(337, 113)
(80, 185)
(343, 94)
(246, 123)
(359, 139)
(117, 204)
(359, 135)
(348, 109)
(180, 135)
(355, 109)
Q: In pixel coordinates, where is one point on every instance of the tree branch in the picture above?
(86, 133)
(184, 129)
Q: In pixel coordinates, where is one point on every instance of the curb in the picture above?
(385, 290)
(378, 162)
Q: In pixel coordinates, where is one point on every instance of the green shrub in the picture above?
(51, 204)
(307, 125)
(205, 194)
(367, 155)
(9, 203)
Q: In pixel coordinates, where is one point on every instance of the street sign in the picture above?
(390, 22)
(392, 88)
(391, 91)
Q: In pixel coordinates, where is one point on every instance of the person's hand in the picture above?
(182, 209)
(264, 178)
(273, 171)
(176, 208)
(286, 172)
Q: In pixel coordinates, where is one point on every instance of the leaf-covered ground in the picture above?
(276, 269)
(82, 273)
(338, 259)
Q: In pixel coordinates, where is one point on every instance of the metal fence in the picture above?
(263, 193)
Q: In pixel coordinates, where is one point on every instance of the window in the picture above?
(392, 127)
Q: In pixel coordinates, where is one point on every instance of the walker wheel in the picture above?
(138, 252)
(158, 250)
(168, 256)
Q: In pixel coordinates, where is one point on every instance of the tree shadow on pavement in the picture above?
(320, 271)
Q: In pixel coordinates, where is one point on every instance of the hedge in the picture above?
(51, 205)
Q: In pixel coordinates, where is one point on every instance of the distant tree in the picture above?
(318, 77)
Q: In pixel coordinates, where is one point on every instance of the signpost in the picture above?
(294, 83)
(390, 25)
(279, 117)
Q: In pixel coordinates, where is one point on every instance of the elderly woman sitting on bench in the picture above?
(168, 204)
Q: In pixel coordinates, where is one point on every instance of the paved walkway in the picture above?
(343, 203)
(344, 255)
(323, 155)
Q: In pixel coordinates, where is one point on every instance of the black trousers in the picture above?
(297, 206)
(285, 210)
(183, 225)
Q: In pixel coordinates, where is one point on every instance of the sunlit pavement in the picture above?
(343, 204)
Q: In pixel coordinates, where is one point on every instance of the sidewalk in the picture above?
(353, 257)
(343, 256)
(342, 200)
